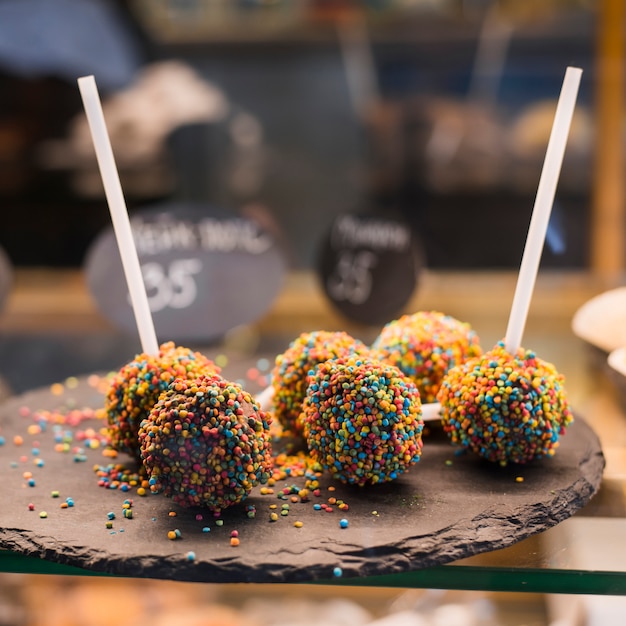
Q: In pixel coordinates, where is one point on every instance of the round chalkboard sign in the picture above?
(369, 265)
(6, 277)
(206, 271)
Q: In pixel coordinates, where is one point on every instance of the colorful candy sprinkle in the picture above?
(135, 389)
(505, 408)
(362, 420)
(206, 443)
(292, 368)
(425, 345)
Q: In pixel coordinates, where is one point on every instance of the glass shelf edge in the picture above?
(460, 577)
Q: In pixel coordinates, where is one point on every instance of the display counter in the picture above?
(50, 314)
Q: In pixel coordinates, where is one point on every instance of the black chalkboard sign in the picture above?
(369, 265)
(6, 277)
(206, 271)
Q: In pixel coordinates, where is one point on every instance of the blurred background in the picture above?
(291, 113)
(299, 110)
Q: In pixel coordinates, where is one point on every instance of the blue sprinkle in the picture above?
(337, 572)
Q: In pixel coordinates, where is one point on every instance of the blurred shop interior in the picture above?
(437, 109)
(291, 113)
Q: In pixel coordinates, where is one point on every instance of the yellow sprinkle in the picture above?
(71, 382)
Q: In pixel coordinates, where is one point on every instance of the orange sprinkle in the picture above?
(56, 389)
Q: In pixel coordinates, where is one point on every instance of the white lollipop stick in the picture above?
(119, 214)
(265, 397)
(542, 209)
(430, 412)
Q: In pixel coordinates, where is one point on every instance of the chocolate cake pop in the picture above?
(361, 420)
(206, 443)
(507, 408)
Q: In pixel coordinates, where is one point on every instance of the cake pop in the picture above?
(136, 387)
(206, 443)
(509, 405)
(425, 346)
(305, 353)
(361, 420)
(507, 408)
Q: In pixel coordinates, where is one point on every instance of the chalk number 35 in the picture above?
(172, 285)
(351, 279)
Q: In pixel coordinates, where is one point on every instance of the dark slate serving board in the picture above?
(448, 507)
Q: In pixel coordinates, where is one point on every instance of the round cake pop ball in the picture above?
(425, 346)
(135, 389)
(206, 443)
(304, 354)
(506, 408)
(362, 420)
